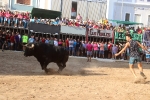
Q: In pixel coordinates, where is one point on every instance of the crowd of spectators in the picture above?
(101, 49)
(22, 19)
(14, 18)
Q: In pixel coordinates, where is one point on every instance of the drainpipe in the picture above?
(61, 4)
(10, 4)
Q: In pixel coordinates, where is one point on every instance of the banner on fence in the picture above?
(73, 30)
(101, 33)
(121, 36)
(44, 28)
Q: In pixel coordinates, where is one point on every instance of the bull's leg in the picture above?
(42, 64)
(45, 67)
(60, 67)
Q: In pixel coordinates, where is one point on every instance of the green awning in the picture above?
(126, 22)
(43, 13)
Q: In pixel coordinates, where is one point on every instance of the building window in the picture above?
(127, 17)
(74, 10)
(137, 18)
(25, 2)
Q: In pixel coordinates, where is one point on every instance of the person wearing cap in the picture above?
(134, 55)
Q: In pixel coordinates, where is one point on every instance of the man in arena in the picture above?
(134, 55)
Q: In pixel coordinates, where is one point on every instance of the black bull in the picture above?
(46, 53)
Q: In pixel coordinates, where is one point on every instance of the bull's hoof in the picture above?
(46, 71)
(59, 71)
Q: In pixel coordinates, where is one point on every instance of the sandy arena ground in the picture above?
(21, 78)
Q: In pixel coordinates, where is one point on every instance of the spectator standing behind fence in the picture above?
(47, 40)
(148, 55)
(12, 41)
(31, 39)
(95, 47)
(24, 40)
(71, 46)
(106, 50)
(63, 44)
(60, 42)
(74, 47)
(67, 44)
(8, 39)
(101, 49)
(78, 46)
(55, 42)
(43, 39)
(16, 41)
(89, 48)
(51, 41)
(5, 45)
(114, 51)
(110, 49)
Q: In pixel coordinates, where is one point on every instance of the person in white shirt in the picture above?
(71, 46)
(55, 42)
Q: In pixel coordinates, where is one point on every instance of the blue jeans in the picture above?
(74, 51)
(134, 59)
(24, 23)
(7, 20)
(1, 20)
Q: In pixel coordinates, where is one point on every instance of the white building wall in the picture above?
(126, 9)
(96, 10)
(144, 14)
(4, 4)
(129, 6)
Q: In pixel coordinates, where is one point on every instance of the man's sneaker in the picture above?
(143, 75)
(2, 50)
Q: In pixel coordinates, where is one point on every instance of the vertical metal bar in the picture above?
(121, 10)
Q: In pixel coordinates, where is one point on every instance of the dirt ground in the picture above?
(21, 78)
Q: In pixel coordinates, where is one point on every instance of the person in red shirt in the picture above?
(12, 41)
(110, 50)
(43, 40)
(89, 49)
(67, 44)
(60, 42)
(7, 18)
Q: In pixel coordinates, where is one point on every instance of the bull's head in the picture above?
(29, 50)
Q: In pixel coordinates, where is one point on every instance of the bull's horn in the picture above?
(32, 46)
